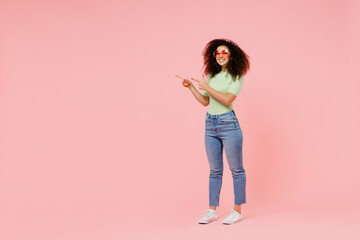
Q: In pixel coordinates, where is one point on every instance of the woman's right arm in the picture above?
(204, 100)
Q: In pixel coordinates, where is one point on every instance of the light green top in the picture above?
(223, 82)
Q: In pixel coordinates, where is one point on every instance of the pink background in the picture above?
(99, 140)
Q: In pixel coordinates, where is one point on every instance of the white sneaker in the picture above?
(232, 218)
(210, 216)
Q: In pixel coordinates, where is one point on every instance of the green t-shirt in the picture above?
(223, 82)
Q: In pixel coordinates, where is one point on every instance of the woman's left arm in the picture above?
(225, 98)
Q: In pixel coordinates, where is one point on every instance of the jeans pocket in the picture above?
(228, 119)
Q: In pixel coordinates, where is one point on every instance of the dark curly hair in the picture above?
(238, 63)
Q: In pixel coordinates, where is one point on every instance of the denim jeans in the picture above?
(223, 132)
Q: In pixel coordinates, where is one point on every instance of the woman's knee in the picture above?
(238, 172)
(216, 172)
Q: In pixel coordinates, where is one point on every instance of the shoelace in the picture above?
(208, 214)
(234, 214)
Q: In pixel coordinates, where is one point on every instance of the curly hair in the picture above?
(238, 63)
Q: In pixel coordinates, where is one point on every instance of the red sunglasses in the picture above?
(223, 52)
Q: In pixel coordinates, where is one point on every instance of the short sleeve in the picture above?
(236, 86)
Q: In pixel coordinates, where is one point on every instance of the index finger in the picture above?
(180, 77)
(195, 80)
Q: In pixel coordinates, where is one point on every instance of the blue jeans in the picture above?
(223, 131)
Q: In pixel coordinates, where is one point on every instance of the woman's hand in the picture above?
(202, 84)
(185, 82)
(204, 100)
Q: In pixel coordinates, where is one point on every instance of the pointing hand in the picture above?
(202, 84)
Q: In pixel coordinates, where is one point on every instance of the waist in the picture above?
(219, 116)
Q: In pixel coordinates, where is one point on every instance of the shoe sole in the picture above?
(212, 220)
(229, 223)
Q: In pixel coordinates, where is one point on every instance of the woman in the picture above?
(225, 66)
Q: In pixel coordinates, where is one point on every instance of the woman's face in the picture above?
(222, 55)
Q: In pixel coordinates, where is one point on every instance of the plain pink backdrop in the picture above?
(99, 140)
